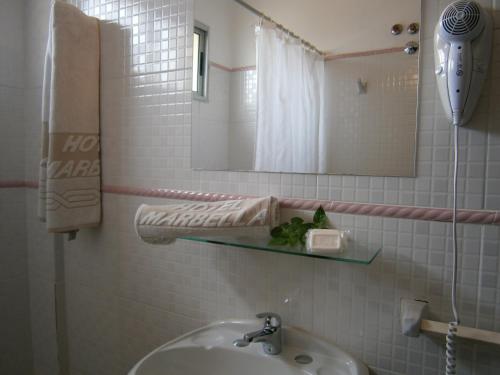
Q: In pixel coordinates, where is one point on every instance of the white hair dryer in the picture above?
(462, 51)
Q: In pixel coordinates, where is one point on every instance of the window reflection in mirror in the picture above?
(200, 42)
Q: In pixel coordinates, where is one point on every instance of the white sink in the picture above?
(210, 351)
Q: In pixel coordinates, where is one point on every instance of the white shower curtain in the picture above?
(290, 127)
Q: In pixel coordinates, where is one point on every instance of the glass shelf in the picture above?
(354, 253)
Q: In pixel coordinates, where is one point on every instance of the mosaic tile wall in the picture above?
(223, 127)
(15, 331)
(243, 115)
(372, 132)
(211, 123)
(125, 297)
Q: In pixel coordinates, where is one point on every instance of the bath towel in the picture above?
(69, 181)
(163, 224)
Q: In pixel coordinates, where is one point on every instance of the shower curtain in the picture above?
(290, 126)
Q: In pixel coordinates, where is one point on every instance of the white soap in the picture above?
(324, 241)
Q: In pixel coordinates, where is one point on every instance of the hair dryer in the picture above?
(462, 50)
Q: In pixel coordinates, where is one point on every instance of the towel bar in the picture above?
(490, 337)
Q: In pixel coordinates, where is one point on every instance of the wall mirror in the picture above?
(318, 86)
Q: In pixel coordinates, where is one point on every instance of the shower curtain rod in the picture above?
(280, 27)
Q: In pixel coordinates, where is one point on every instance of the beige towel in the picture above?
(163, 224)
(69, 188)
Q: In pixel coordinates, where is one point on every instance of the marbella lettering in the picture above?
(72, 168)
(80, 143)
(205, 215)
(76, 168)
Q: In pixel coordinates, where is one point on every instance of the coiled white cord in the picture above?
(451, 357)
(453, 326)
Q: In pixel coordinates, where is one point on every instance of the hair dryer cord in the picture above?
(452, 327)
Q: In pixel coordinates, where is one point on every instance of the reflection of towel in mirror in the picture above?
(69, 188)
(163, 224)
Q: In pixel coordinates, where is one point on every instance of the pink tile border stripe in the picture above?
(331, 56)
(328, 57)
(367, 209)
(232, 70)
(12, 184)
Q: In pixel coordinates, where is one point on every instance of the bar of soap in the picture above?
(324, 241)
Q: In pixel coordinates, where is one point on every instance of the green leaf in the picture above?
(302, 231)
(308, 226)
(319, 215)
(297, 221)
(276, 232)
(320, 219)
(295, 232)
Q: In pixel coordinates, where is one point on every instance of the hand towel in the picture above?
(163, 224)
(69, 182)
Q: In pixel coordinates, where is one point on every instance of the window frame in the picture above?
(203, 64)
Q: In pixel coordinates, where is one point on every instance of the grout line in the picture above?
(487, 146)
(11, 87)
(479, 278)
(138, 74)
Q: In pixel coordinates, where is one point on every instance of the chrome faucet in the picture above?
(269, 335)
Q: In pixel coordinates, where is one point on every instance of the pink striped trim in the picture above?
(31, 184)
(395, 211)
(232, 70)
(367, 209)
(12, 184)
(328, 57)
(392, 211)
(172, 194)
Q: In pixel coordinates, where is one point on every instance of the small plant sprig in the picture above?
(294, 232)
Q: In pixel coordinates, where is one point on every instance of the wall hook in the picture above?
(362, 86)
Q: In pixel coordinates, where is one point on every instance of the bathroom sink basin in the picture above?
(210, 351)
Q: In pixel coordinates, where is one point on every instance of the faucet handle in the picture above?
(269, 316)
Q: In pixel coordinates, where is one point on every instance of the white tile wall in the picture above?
(125, 297)
(223, 126)
(11, 118)
(211, 123)
(372, 133)
(15, 330)
(40, 246)
(243, 120)
(11, 89)
(12, 47)
(42, 277)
